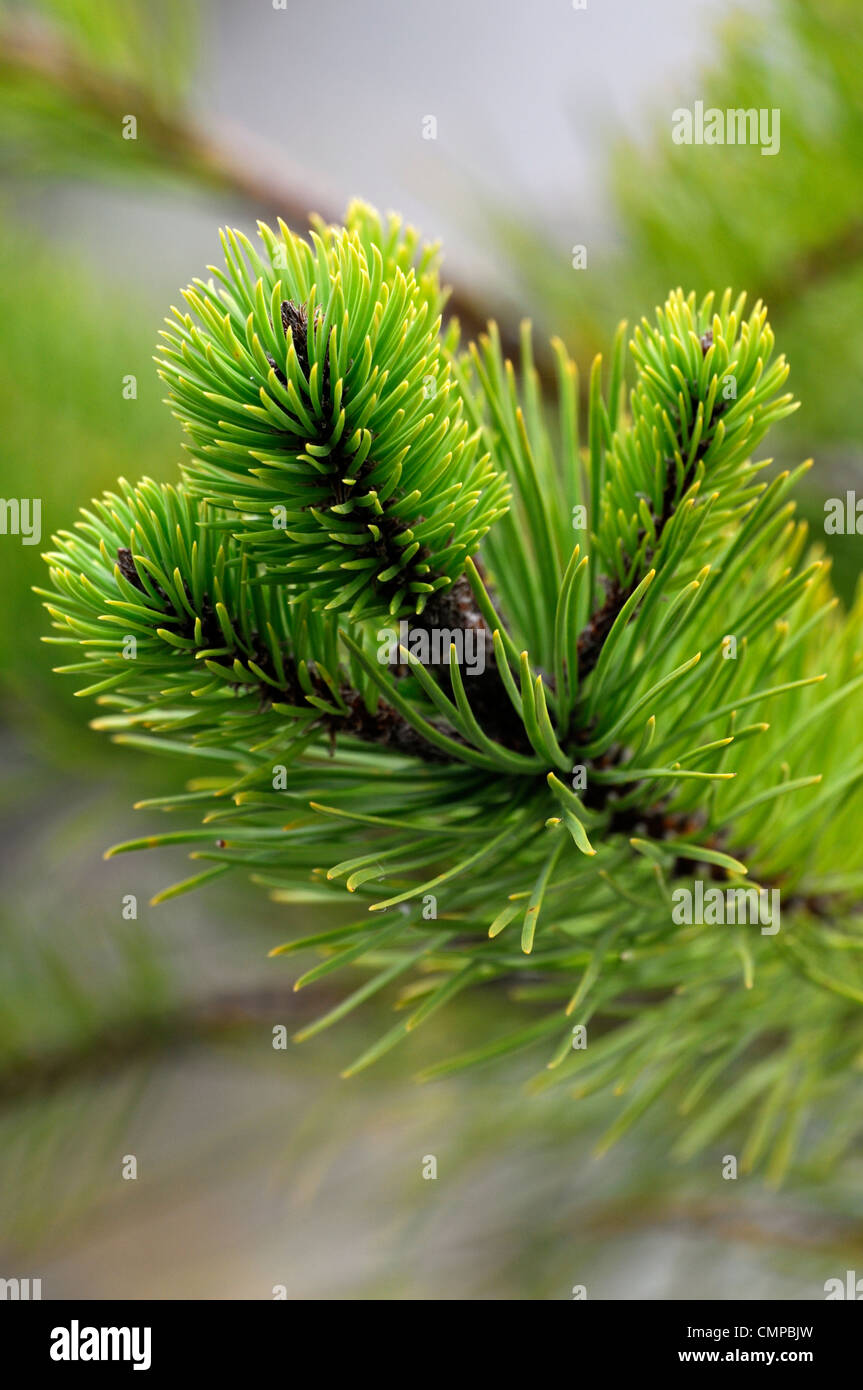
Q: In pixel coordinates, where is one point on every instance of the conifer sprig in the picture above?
(161, 606)
(669, 691)
(323, 416)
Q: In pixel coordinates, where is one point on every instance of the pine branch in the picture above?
(537, 815)
(594, 634)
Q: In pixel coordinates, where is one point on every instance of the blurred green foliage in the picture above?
(68, 342)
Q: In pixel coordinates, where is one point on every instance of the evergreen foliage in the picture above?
(668, 691)
(321, 412)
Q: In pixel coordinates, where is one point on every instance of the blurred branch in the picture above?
(789, 1229)
(115, 1044)
(177, 144)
